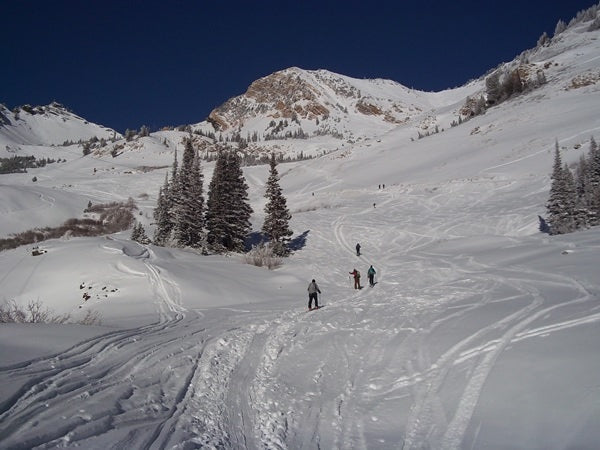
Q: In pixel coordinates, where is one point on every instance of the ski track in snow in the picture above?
(222, 380)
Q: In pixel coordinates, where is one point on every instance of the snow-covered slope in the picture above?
(481, 332)
(45, 125)
(313, 104)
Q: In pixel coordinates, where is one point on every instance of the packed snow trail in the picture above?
(403, 364)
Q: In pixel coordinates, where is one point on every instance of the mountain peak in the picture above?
(51, 124)
(314, 102)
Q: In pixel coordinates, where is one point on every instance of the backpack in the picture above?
(357, 274)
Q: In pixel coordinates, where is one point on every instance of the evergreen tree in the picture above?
(594, 163)
(138, 234)
(593, 182)
(543, 39)
(135, 232)
(277, 216)
(493, 88)
(215, 213)
(189, 201)
(560, 27)
(162, 215)
(228, 210)
(570, 206)
(583, 216)
(561, 204)
(237, 205)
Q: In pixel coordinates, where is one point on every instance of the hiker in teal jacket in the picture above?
(371, 273)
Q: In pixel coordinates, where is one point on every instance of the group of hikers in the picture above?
(356, 275)
(313, 288)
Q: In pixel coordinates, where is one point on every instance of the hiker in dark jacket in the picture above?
(313, 288)
(357, 249)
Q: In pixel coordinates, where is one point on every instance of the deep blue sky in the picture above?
(124, 64)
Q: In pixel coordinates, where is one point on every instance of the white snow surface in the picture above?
(49, 125)
(480, 332)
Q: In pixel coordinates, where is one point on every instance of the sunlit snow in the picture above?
(480, 332)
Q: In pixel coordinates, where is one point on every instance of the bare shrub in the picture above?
(32, 312)
(91, 318)
(262, 256)
(114, 217)
(35, 312)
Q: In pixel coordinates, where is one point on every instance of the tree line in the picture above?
(220, 222)
(574, 201)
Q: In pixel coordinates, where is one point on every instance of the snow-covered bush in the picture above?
(262, 255)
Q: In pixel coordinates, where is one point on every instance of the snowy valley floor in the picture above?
(480, 333)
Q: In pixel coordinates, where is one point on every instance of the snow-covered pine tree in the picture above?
(228, 209)
(189, 202)
(135, 232)
(139, 234)
(144, 239)
(593, 188)
(561, 204)
(560, 27)
(570, 222)
(583, 213)
(215, 212)
(237, 205)
(172, 191)
(277, 216)
(197, 206)
(162, 215)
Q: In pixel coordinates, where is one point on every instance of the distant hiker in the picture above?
(379, 187)
(356, 274)
(371, 274)
(357, 249)
(313, 288)
(373, 205)
(383, 186)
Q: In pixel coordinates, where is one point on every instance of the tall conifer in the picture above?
(162, 215)
(277, 216)
(189, 201)
(228, 209)
(215, 212)
(561, 204)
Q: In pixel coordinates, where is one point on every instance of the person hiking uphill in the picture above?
(356, 274)
(357, 249)
(371, 274)
(313, 288)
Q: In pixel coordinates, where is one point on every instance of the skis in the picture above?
(315, 308)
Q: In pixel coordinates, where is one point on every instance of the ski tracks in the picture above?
(441, 426)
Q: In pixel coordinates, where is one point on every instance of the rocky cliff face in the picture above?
(315, 102)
